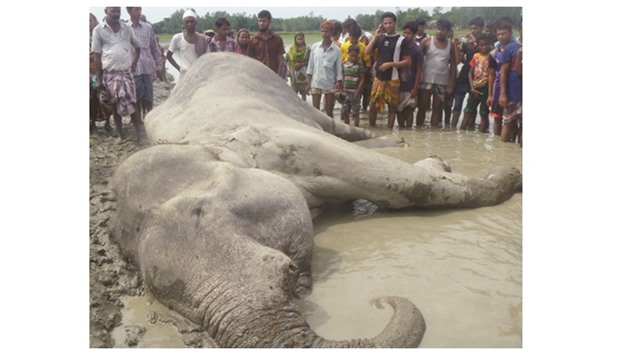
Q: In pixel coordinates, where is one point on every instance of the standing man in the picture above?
(221, 42)
(188, 44)
(267, 46)
(410, 78)
(325, 70)
(112, 42)
(511, 92)
(393, 54)
(439, 73)
(149, 49)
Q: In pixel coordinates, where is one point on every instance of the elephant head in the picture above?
(229, 247)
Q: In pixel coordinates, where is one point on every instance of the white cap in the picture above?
(189, 13)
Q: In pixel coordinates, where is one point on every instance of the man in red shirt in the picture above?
(266, 46)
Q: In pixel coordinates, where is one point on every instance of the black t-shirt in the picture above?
(468, 50)
(386, 46)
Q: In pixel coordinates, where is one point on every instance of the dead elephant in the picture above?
(219, 215)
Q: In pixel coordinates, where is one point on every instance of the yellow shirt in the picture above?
(345, 52)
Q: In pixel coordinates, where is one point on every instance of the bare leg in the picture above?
(118, 122)
(372, 115)
(472, 121)
(437, 111)
(455, 120)
(484, 123)
(467, 118)
(497, 126)
(407, 117)
(400, 117)
(447, 115)
(136, 119)
(509, 132)
(344, 115)
(316, 101)
(330, 101)
(424, 97)
(391, 116)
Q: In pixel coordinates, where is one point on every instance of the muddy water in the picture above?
(462, 268)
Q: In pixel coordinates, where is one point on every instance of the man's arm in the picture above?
(281, 54)
(519, 63)
(339, 74)
(99, 70)
(405, 62)
(418, 78)
(310, 70)
(503, 80)
(155, 51)
(136, 45)
(453, 64)
(172, 61)
(490, 100)
(371, 45)
(135, 59)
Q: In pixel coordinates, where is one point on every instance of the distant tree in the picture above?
(366, 22)
(437, 14)
(459, 16)
(411, 15)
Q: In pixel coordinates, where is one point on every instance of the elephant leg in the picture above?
(330, 170)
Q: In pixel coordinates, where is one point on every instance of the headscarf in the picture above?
(242, 30)
(189, 13)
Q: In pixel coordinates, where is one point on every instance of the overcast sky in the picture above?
(158, 13)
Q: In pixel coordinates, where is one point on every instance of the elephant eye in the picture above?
(292, 269)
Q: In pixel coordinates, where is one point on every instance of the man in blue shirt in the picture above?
(325, 70)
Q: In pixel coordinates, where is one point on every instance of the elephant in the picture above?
(218, 213)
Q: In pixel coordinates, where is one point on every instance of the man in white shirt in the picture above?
(184, 44)
(112, 43)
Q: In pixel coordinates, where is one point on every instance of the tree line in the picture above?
(459, 16)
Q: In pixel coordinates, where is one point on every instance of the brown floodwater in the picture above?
(461, 267)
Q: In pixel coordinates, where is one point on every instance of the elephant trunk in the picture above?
(285, 327)
(405, 329)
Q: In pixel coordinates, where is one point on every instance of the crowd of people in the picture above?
(363, 71)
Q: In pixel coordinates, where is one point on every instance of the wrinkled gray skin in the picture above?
(219, 215)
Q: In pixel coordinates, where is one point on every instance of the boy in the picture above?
(467, 47)
(354, 72)
(410, 78)
(481, 65)
(355, 32)
(392, 54)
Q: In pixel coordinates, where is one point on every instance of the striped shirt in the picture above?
(149, 50)
(352, 75)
